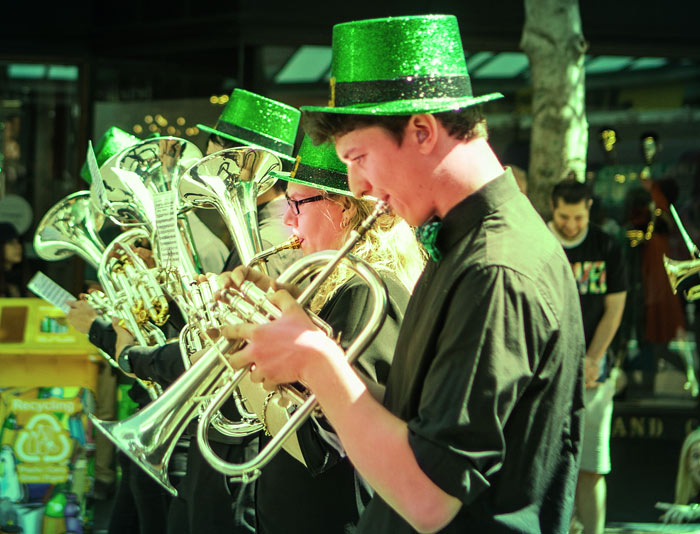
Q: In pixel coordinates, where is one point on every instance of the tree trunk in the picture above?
(553, 41)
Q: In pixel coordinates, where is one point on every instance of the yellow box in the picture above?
(38, 348)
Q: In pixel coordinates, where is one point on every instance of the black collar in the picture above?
(461, 219)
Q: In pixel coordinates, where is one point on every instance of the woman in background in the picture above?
(686, 507)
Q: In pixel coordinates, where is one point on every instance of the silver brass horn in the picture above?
(133, 180)
(70, 227)
(230, 181)
(319, 265)
(135, 294)
(202, 295)
(303, 268)
(149, 436)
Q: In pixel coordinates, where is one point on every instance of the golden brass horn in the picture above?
(678, 271)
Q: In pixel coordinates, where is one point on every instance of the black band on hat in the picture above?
(255, 137)
(321, 177)
(405, 88)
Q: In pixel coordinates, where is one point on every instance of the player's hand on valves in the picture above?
(241, 274)
(146, 255)
(280, 352)
(81, 314)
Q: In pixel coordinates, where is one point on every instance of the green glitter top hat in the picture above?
(254, 120)
(318, 166)
(399, 66)
(112, 142)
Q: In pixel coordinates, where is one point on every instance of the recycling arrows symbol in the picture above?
(42, 440)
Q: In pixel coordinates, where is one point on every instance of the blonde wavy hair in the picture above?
(390, 246)
(686, 488)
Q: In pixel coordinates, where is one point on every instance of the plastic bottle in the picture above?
(8, 431)
(54, 521)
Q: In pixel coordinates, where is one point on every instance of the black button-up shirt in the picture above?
(488, 371)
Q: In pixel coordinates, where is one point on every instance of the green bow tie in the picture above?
(427, 235)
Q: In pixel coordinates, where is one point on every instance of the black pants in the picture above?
(141, 504)
(206, 503)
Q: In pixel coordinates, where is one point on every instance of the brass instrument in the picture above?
(71, 227)
(147, 170)
(678, 271)
(306, 403)
(134, 294)
(202, 295)
(130, 293)
(132, 181)
(319, 266)
(231, 181)
(149, 436)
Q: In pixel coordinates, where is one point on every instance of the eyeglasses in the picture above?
(294, 204)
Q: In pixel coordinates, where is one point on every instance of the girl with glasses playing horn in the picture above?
(311, 486)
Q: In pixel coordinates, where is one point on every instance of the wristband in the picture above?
(123, 360)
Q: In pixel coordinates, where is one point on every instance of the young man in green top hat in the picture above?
(480, 426)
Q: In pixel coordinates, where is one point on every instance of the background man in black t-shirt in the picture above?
(596, 260)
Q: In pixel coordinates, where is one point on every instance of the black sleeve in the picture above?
(161, 364)
(138, 395)
(347, 313)
(103, 336)
(176, 321)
